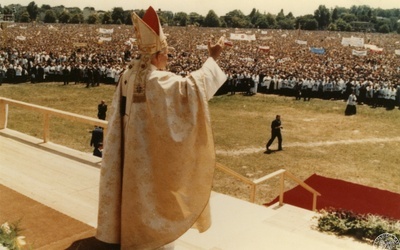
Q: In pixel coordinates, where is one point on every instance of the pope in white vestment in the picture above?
(159, 156)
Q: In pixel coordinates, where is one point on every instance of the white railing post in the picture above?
(282, 188)
(46, 127)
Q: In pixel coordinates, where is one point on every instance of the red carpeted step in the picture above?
(345, 195)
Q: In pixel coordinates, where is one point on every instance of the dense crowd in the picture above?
(83, 54)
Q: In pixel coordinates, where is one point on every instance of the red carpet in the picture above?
(344, 195)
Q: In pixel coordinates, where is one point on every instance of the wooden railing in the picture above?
(50, 112)
(283, 174)
(47, 114)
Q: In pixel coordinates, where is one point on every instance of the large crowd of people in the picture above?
(274, 62)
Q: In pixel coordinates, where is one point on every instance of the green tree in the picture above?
(117, 15)
(287, 24)
(236, 19)
(212, 20)
(59, 9)
(322, 16)
(384, 28)
(7, 10)
(254, 17)
(290, 16)
(265, 21)
(166, 17)
(382, 22)
(127, 17)
(77, 18)
(342, 25)
(262, 22)
(25, 18)
(45, 7)
(196, 19)
(280, 16)
(93, 18)
(335, 14)
(181, 19)
(348, 17)
(271, 20)
(307, 22)
(64, 17)
(33, 10)
(332, 27)
(106, 18)
(49, 17)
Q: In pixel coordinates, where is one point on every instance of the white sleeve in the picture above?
(211, 75)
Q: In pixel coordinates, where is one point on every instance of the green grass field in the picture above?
(317, 137)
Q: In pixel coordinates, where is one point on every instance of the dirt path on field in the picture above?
(307, 145)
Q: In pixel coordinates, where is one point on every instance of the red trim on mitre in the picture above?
(151, 19)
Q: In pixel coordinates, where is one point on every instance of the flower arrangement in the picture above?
(365, 227)
(10, 238)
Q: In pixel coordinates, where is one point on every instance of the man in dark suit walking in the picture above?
(276, 127)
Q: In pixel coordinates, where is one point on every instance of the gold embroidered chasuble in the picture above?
(158, 159)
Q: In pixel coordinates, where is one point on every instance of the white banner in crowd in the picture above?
(107, 39)
(373, 47)
(106, 31)
(202, 47)
(301, 42)
(21, 38)
(265, 38)
(243, 37)
(11, 26)
(370, 46)
(397, 52)
(359, 52)
(264, 32)
(353, 41)
(263, 48)
(346, 41)
(23, 27)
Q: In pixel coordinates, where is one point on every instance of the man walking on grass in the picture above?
(276, 127)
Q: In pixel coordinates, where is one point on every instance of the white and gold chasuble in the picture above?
(159, 158)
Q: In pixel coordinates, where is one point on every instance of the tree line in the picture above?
(356, 18)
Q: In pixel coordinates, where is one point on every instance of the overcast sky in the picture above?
(221, 7)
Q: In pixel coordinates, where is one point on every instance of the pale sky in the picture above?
(221, 7)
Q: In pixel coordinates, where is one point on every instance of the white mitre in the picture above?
(150, 39)
(149, 34)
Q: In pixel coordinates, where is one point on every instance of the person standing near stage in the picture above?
(276, 127)
(102, 110)
(97, 141)
(159, 155)
(351, 108)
